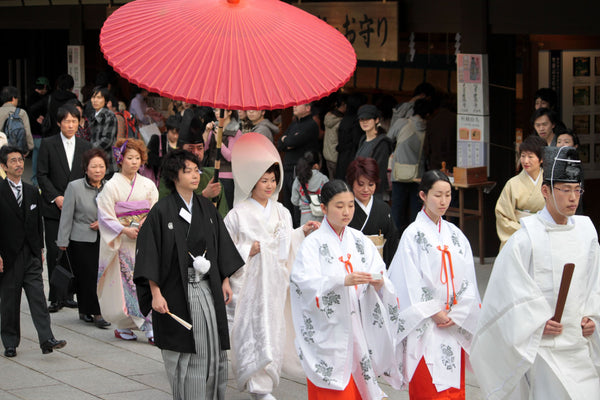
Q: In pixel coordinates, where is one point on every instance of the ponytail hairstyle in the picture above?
(305, 164)
(331, 188)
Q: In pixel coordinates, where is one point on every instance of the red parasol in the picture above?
(232, 54)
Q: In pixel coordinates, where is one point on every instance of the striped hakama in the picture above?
(202, 375)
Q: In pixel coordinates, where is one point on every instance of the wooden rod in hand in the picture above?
(565, 283)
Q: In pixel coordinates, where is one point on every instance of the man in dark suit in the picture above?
(59, 162)
(21, 257)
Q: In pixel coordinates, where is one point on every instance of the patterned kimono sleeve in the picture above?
(321, 292)
(416, 296)
(466, 311)
(381, 321)
(109, 226)
(232, 223)
(321, 315)
(507, 222)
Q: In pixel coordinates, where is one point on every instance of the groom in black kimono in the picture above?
(179, 227)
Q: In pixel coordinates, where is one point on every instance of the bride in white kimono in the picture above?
(345, 310)
(434, 276)
(261, 228)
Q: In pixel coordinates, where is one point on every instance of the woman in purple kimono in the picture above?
(122, 208)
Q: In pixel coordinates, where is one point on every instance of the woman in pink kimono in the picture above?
(122, 208)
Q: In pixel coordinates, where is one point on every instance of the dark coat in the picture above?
(162, 257)
(380, 220)
(382, 149)
(53, 172)
(301, 136)
(349, 134)
(155, 153)
(19, 226)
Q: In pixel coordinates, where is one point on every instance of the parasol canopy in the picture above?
(232, 54)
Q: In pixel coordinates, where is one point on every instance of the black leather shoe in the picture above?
(52, 344)
(10, 352)
(86, 317)
(101, 323)
(54, 307)
(69, 303)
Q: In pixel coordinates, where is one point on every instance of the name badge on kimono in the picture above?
(186, 215)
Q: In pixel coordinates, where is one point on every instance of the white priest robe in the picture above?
(421, 272)
(520, 197)
(259, 316)
(510, 355)
(343, 330)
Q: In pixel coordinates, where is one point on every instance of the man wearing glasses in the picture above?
(518, 350)
(21, 257)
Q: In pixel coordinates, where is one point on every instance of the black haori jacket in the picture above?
(162, 256)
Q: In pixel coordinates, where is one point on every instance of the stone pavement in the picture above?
(96, 365)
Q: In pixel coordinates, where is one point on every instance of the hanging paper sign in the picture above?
(371, 28)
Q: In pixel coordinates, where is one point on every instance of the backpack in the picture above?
(131, 124)
(15, 130)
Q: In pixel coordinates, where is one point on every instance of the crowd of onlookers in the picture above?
(96, 176)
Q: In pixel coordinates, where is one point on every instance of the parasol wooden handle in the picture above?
(219, 143)
(565, 283)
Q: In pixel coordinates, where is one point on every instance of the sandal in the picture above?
(125, 334)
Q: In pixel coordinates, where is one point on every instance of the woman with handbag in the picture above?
(375, 144)
(408, 165)
(307, 187)
(372, 216)
(78, 233)
(122, 208)
(261, 229)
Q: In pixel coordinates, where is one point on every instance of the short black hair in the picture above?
(103, 91)
(533, 144)
(430, 178)
(423, 107)
(424, 88)
(174, 122)
(571, 133)
(331, 188)
(540, 112)
(174, 162)
(65, 110)
(6, 150)
(274, 168)
(548, 95)
(8, 93)
(75, 102)
(65, 82)
(91, 153)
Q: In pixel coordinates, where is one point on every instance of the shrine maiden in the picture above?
(344, 309)
(434, 276)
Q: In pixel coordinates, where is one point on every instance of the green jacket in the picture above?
(205, 177)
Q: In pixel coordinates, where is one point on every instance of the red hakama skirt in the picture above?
(421, 386)
(349, 393)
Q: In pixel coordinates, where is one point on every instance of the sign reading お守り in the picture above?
(371, 28)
